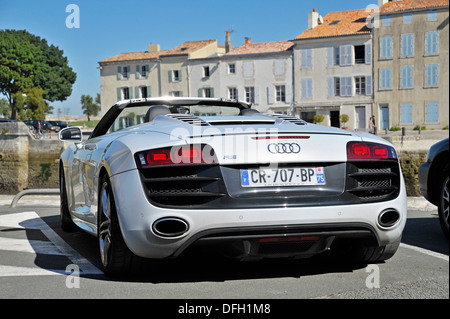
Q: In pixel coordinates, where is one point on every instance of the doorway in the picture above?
(384, 116)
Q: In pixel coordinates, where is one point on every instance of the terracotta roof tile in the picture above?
(185, 48)
(338, 24)
(263, 47)
(412, 4)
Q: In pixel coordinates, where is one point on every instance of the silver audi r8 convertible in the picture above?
(160, 175)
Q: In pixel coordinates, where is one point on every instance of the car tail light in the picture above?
(370, 151)
(185, 154)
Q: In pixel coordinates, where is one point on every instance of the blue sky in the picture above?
(111, 27)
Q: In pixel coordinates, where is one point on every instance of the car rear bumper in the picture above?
(257, 226)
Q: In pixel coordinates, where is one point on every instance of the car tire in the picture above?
(116, 258)
(443, 207)
(66, 221)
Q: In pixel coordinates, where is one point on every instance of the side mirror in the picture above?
(71, 134)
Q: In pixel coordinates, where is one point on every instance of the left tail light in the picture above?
(176, 155)
(370, 151)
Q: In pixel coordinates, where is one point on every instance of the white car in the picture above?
(157, 176)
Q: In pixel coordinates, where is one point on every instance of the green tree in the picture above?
(89, 107)
(27, 61)
(4, 108)
(31, 104)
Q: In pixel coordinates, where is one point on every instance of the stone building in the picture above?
(333, 69)
(411, 64)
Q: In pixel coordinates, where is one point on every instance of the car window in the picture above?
(131, 116)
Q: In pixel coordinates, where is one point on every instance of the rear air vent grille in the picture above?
(189, 118)
(288, 118)
(373, 181)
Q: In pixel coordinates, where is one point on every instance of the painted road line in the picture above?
(425, 251)
(29, 246)
(31, 220)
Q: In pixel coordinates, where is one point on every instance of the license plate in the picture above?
(293, 176)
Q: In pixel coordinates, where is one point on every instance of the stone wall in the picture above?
(26, 162)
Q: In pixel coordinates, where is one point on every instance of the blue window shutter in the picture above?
(130, 92)
(149, 91)
(170, 76)
(138, 72)
(200, 92)
(271, 96)
(137, 92)
(389, 77)
(432, 112)
(119, 73)
(119, 94)
(147, 70)
(406, 113)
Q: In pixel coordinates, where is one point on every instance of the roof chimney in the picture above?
(153, 47)
(313, 19)
(228, 46)
(248, 40)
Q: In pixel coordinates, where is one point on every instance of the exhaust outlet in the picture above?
(388, 218)
(170, 227)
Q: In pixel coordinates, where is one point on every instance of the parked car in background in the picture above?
(61, 124)
(42, 126)
(433, 180)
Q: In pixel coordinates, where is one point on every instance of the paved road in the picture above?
(36, 258)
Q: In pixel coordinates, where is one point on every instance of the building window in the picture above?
(232, 93)
(432, 112)
(144, 71)
(280, 93)
(385, 79)
(407, 45)
(360, 54)
(250, 94)
(360, 85)
(431, 75)
(176, 93)
(431, 43)
(407, 17)
(174, 76)
(385, 20)
(207, 92)
(125, 72)
(126, 93)
(306, 58)
(406, 77)
(231, 68)
(386, 47)
(144, 92)
(336, 56)
(337, 86)
(206, 71)
(406, 113)
(432, 15)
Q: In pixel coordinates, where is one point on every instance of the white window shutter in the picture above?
(240, 92)
(330, 56)
(137, 92)
(119, 94)
(119, 73)
(331, 86)
(369, 85)
(368, 53)
(288, 94)
(270, 95)
(257, 95)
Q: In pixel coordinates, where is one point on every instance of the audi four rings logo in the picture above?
(284, 148)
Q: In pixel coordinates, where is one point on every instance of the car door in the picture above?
(82, 177)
